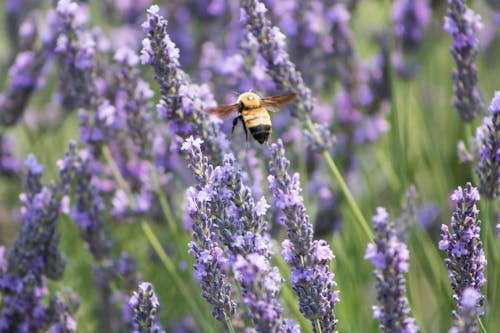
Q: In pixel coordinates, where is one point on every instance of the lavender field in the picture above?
(373, 207)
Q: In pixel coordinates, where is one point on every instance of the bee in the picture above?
(252, 111)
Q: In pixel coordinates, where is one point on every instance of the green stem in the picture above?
(180, 284)
(153, 240)
(317, 326)
(481, 325)
(343, 187)
(229, 326)
(165, 207)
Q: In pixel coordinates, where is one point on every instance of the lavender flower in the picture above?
(488, 138)
(238, 220)
(390, 257)
(311, 279)
(466, 318)
(466, 261)
(209, 257)
(133, 99)
(33, 257)
(182, 102)
(240, 228)
(463, 24)
(144, 304)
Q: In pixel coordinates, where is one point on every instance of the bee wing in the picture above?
(276, 103)
(223, 111)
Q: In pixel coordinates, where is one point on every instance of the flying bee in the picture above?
(253, 113)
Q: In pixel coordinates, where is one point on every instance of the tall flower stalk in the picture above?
(226, 216)
(33, 257)
(311, 278)
(182, 102)
(389, 254)
(463, 24)
(209, 257)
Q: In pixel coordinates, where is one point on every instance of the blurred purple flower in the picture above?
(463, 24)
(465, 257)
(33, 257)
(488, 138)
(9, 165)
(410, 18)
(311, 279)
(389, 254)
(25, 76)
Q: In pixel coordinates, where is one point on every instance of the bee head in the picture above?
(249, 100)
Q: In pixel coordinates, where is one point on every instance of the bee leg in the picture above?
(235, 123)
(246, 131)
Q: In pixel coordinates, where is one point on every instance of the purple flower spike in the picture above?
(231, 216)
(209, 257)
(145, 305)
(182, 102)
(488, 138)
(311, 278)
(463, 24)
(390, 257)
(465, 257)
(33, 257)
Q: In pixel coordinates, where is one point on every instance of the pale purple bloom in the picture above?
(465, 256)
(209, 257)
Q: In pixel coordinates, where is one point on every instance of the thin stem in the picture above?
(343, 187)
(481, 325)
(165, 207)
(317, 326)
(180, 284)
(153, 240)
(229, 326)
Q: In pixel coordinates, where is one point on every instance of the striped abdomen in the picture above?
(257, 120)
